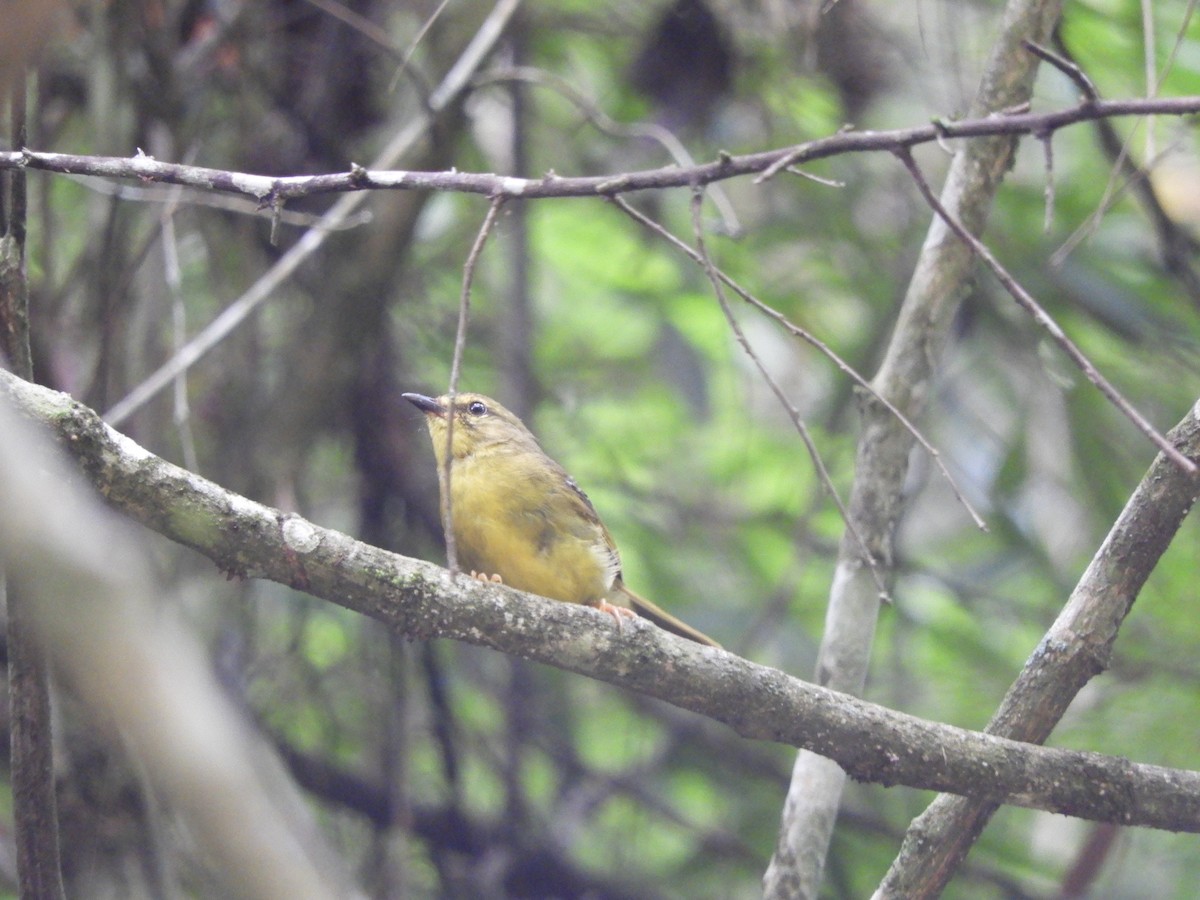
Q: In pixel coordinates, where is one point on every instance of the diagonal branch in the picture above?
(420, 600)
(812, 340)
(1026, 302)
(794, 414)
(1075, 649)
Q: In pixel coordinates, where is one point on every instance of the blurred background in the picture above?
(443, 770)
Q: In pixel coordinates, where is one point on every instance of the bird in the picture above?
(517, 517)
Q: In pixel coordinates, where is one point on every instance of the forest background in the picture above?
(438, 768)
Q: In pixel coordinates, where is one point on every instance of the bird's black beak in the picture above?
(426, 404)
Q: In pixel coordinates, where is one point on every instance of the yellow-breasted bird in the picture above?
(518, 515)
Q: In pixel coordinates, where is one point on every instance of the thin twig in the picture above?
(793, 413)
(1180, 35)
(1026, 301)
(811, 339)
(1086, 86)
(358, 22)
(1090, 95)
(173, 278)
(1149, 54)
(809, 176)
(1114, 189)
(416, 42)
(1048, 149)
(460, 343)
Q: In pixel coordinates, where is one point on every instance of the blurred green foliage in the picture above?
(640, 390)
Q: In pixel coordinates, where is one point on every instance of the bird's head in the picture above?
(480, 424)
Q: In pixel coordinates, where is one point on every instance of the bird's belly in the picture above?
(525, 550)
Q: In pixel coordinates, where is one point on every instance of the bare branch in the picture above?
(1048, 154)
(266, 189)
(269, 191)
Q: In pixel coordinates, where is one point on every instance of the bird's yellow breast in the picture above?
(510, 519)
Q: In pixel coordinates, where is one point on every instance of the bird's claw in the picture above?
(486, 578)
(617, 612)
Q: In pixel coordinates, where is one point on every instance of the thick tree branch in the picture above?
(423, 601)
(270, 191)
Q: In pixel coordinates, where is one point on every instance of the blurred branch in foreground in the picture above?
(146, 683)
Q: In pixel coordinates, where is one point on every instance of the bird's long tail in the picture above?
(663, 619)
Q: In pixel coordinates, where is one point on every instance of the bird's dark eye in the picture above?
(476, 408)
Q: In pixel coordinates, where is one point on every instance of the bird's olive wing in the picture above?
(574, 486)
(569, 505)
(588, 527)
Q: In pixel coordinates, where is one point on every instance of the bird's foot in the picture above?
(485, 577)
(620, 613)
